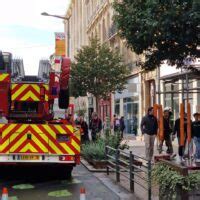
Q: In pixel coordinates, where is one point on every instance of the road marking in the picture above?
(73, 181)
(23, 187)
(60, 193)
(13, 198)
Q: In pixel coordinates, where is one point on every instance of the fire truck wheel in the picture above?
(65, 172)
(63, 99)
(68, 173)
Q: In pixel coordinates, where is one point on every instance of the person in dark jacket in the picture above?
(122, 126)
(149, 127)
(176, 131)
(83, 129)
(167, 132)
(196, 135)
(95, 126)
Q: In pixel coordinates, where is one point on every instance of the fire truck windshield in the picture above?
(2, 64)
(5, 62)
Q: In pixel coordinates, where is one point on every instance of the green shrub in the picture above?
(94, 150)
(170, 181)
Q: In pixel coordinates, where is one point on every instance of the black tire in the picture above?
(63, 100)
(65, 172)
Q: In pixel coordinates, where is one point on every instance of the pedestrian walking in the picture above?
(176, 131)
(149, 127)
(95, 126)
(167, 133)
(196, 136)
(122, 126)
(83, 129)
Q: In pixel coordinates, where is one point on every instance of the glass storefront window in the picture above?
(131, 116)
(130, 105)
(117, 107)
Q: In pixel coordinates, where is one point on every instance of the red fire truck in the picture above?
(31, 134)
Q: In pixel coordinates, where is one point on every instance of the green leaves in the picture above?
(170, 181)
(161, 29)
(97, 70)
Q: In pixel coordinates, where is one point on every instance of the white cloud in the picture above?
(27, 15)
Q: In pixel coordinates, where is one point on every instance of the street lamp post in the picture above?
(65, 18)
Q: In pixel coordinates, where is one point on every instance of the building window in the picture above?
(117, 107)
(131, 114)
(171, 98)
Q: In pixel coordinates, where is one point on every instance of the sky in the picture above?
(26, 33)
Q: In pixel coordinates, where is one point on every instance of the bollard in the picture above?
(82, 194)
(4, 194)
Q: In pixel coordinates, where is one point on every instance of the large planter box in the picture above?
(97, 164)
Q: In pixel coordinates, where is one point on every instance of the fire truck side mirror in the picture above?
(63, 99)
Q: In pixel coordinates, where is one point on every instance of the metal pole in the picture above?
(117, 166)
(131, 167)
(149, 180)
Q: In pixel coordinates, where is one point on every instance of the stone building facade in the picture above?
(95, 17)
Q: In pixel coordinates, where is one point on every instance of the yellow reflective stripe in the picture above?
(75, 145)
(13, 86)
(50, 131)
(36, 128)
(8, 129)
(31, 95)
(3, 76)
(55, 148)
(22, 128)
(60, 129)
(68, 149)
(39, 144)
(46, 86)
(28, 147)
(18, 143)
(35, 87)
(4, 145)
(47, 89)
(19, 91)
(51, 144)
(70, 128)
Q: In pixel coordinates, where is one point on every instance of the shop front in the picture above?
(127, 105)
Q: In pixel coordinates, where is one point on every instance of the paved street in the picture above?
(32, 184)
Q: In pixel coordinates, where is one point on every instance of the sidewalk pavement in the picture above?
(137, 146)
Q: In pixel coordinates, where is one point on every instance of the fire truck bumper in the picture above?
(39, 159)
